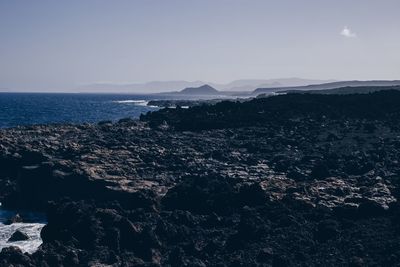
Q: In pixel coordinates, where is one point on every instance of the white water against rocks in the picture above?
(34, 222)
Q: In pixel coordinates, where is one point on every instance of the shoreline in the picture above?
(288, 183)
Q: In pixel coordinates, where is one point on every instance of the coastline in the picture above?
(288, 183)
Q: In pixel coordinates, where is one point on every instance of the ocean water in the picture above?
(41, 108)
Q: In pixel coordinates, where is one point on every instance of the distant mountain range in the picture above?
(252, 84)
(238, 88)
(345, 87)
(169, 86)
(345, 90)
(326, 86)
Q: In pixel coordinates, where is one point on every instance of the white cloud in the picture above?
(346, 32)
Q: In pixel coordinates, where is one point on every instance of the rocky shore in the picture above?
(291, 180)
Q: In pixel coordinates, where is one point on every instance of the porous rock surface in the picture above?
(306, 188)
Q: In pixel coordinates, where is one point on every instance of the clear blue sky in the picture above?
(63, 44)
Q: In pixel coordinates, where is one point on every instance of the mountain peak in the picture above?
(201, 90)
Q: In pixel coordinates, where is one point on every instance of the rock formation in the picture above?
(303, 180)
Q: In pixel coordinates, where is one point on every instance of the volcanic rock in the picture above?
(18, 236)
(14, 219)
(287, 180)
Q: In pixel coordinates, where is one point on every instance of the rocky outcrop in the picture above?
(18, 236)
(303, 185)
(14, 219)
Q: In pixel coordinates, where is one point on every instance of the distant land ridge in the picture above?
(201, 90)
(345, 90)
(325, 86)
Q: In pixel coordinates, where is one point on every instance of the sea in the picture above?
(17, 109)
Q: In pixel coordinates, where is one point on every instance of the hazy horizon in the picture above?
(240, 85)
(62, 46)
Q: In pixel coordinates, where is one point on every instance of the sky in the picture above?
(56, 45)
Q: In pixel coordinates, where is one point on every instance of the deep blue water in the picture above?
(42, 108)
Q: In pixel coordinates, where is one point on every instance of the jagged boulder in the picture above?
(18, 236)
(14, 219)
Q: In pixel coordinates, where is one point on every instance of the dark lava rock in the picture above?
(18, 236)
(370, 209)
(288, 180)
(327, 229)
(14, 219)
(265, 255)
(71, 258)
(347, 212)
(251, 195)
(297, 175)
(205, 194)
(130, 233)
(201, 194)
(356, 262)
(321, 170)
(251, 228)
(13, 256)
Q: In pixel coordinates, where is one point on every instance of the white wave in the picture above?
(30, 229)
(135, 102)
